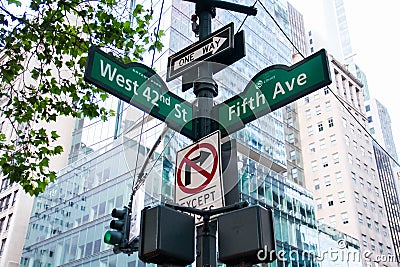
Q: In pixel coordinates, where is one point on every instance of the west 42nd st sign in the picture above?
(270, 89)
(140, 86)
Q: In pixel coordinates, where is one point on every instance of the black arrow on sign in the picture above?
(199, 159)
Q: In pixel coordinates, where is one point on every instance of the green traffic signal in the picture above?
(114, 238)
(118, 237)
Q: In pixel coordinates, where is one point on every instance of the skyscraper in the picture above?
(339, 162)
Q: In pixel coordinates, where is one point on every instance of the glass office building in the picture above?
(68, 220)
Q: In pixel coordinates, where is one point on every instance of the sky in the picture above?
(375, 40)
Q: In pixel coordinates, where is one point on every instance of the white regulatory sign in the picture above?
(198, 179)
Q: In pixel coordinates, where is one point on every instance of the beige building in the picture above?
(340, 167)
(15, 204)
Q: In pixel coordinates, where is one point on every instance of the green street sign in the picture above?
(270, 89)
(140, 86)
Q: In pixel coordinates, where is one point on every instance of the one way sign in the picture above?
(213, 45)
(198, 174)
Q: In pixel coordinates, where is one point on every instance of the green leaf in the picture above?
(42, 75)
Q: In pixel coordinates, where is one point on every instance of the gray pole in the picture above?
(205, 88)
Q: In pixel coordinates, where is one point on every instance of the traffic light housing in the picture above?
(119, 236)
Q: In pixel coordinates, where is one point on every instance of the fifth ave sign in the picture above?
(215, 44)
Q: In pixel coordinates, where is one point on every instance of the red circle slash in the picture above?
(199, 169)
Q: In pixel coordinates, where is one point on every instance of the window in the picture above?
(346, 139)
(372, 244)
(352, 128)
(292, 155)
(367, 108)
(330, 122)
(318, 203)
(362, 150)
(369, 118)
(294, 173)
(357, 196)
(328, 105)
(344, 121)
(380, 210)
(333, 139)
(309, 130)
(377, 191)
(332, 220)
(358, 163)
(14, 198)
(369, 186)
(372, 130)
(350, 158)
(361, 181)
(389, 251)
(308, 114)
(316, 95)
(341, 197)
(289, 121)
(368, 220)
(353, 177)
(376, 226)
(372, 206)
(9, 221)
(3, 244)
(316, 184)
(345, 218)
(327, 180)
(366, 138)
(335, 158)
(366, 167)
(364, 240)
(322, 144)
(326, 90)
(291, 138)
(306, 100)
(314, 165)
(318, 110)
(360, 218)
(330, 200)
(365, 202)
(320, 127)
(355, 144)
(339, 178)
(324, 162)
(380, 247)
(311, 147)
(384, 230)
(2, 223)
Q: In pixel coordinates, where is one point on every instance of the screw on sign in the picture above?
(198, 174)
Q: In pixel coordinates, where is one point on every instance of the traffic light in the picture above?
(120, 235)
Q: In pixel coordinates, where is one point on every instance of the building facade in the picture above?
(339, 163)
(391, 196)
(68, 221)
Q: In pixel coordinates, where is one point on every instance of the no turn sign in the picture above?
(198, 174)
